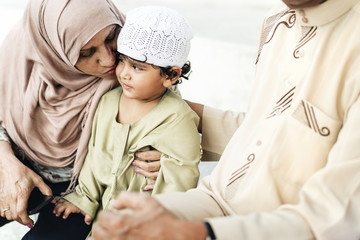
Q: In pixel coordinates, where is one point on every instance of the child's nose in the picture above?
(125, 74)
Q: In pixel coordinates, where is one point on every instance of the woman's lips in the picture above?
(111, 71)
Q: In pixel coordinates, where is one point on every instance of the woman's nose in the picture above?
(107, 57)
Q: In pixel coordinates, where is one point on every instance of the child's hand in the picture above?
(65, 207)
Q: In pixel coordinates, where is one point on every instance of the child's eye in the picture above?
(137, 68)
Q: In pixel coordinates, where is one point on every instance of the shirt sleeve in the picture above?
(180, 146)
(217, 128)
(194, 205)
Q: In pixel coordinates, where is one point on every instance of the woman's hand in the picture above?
(66, 207)
(144, 218)
(150, 167)
(16, 183)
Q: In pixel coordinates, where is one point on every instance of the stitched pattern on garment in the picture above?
(310, 33)
(269, 27)
(312, 121)
(241, 171)
(283, 104)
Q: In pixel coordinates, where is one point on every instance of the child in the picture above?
(142, 114)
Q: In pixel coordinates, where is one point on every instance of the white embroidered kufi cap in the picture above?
(156, 35)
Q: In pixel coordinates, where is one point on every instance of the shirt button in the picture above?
(288, 82)
(304, 18)
(301, 54)
(258, 143)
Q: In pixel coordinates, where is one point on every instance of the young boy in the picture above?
(142, 114)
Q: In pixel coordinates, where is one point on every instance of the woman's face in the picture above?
(97, 57)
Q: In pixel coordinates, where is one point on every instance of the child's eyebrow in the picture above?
(137, 63)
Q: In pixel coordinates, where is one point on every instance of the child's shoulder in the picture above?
(174, 102)
(113, 94)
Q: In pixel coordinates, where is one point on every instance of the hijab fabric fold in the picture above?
(46, 104)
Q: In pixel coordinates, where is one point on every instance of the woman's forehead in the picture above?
(100, 37)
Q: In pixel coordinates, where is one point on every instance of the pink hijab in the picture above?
(46, 104)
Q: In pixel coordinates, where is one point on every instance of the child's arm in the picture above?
(66, 207)
(180, 144)
(88, 192)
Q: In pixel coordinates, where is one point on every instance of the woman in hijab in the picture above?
(55, 65)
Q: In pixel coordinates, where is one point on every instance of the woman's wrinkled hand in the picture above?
(16, 184)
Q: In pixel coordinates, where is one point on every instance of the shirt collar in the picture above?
(325, 12)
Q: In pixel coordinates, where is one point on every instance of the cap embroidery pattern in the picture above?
(156, 35)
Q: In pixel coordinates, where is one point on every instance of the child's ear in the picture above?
(168, 82)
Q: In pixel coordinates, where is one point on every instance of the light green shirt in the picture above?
(171, 128)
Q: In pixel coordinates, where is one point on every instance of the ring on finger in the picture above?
(5, 209)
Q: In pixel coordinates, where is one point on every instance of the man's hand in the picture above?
(140, 216)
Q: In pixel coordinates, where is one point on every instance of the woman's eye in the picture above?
(86, 54)
(111, 37)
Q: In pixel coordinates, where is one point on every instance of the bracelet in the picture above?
(4, 135)
(210, 232)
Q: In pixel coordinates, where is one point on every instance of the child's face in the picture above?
(140, 80)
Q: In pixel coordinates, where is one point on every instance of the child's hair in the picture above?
(156, 35)
(185, 72)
